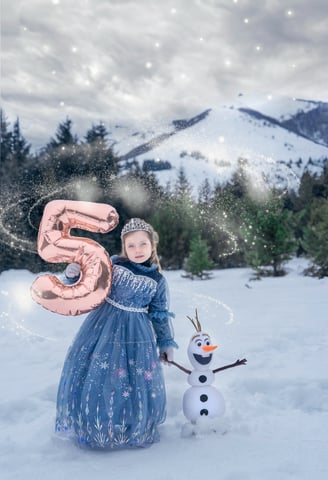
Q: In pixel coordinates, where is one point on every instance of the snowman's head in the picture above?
(200, 349)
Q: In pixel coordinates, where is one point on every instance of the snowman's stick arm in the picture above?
(236, 364)
(180, 367)
(171, 362)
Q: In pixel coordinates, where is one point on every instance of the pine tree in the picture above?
(20, 147)
(5, 152)
(98, 134)
(5, 138)
(176, 222)
(320, 188)
(63, 157)
(198, 260)
(14, 153)
(223, 218)
(64, 135)
(205, 193)
(269, 239)
(315, 240)
(182, 187)
(100, 157)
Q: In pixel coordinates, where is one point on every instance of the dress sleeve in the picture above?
(161, 317)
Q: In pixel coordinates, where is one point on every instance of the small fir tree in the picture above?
(198, 260)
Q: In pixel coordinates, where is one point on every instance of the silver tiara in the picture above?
(135, 225)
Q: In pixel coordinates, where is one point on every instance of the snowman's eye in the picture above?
(199, 344)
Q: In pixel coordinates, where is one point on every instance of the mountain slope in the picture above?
(274, 141)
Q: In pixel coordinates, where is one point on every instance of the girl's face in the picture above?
(138, 246)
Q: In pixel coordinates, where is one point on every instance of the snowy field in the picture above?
(276, 418)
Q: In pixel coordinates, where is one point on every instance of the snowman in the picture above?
(202, 400)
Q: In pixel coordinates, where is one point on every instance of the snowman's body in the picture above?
(202, 399)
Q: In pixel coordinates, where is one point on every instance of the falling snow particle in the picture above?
(289, 13)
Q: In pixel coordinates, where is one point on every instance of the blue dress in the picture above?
(111, 392)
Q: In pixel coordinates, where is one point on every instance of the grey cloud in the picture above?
(142, 60)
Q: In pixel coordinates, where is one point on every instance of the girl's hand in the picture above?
(73, 270)
(167, 355)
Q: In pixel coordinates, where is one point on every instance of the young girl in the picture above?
(111, 392)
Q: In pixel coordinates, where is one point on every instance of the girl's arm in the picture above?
(161, 317)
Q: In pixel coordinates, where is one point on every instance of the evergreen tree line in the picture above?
(224, 226)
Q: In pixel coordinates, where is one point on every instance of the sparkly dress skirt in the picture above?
(111, 393)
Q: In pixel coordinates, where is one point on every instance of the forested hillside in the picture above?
(233, 222)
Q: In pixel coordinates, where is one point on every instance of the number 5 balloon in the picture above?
(56, 245)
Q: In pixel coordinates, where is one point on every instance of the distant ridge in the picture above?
(276, 139)
(156, 141)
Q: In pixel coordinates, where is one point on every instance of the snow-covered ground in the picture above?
(276, 418)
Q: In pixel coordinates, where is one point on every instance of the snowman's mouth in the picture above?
(202, 360)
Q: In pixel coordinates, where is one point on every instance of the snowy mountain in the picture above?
(274, 139)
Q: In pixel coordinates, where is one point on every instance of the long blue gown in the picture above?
(111, 392)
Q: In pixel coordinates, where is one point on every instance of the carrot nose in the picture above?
(209, 348)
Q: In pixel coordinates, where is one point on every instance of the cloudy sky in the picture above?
(147, 60)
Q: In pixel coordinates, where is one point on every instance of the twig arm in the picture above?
(180, 367)
(171, 362)
(236, 364)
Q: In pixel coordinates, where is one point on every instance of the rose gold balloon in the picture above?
(56, 245)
